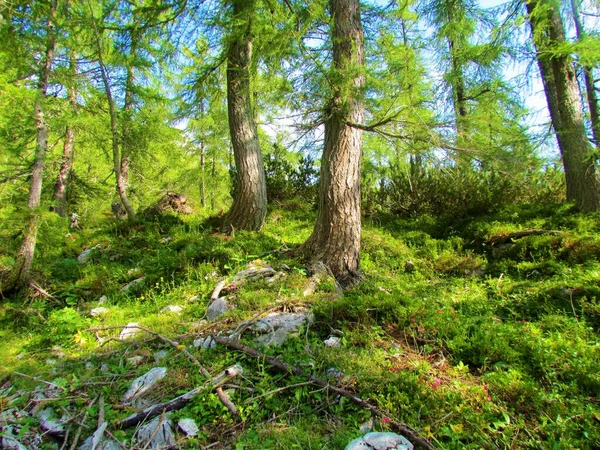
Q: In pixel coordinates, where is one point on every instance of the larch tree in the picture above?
(20, 274)
(249, 206)
(564, 103)
(335, 240)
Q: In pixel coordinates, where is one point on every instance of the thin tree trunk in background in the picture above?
(564, 102)
(213, 173)
(64, 174)
(459, 100)
(126, 136)
(202, 161)
(117, 163)
(21, 272)
(588, 77)
(250, 203)
(335, 240)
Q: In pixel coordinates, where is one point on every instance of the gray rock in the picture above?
(254, 273)
(380, 441)
(133, 285)
(143, 384)
(274, 339)
(7, 440)
(216, 309)
(332, 372)
(278, 276)
(129, 331)
(99, 311)
(333, 341)
(85, 255)
(204, 343)
(104, 367)
(189, 427)
(175, 309)
(158, 433)
(289, 321)
(50, 424)
(103, 444)
(102, 300)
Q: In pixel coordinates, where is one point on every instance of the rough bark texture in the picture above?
(64, 174)
(588, 77)
(20, 274)
(335, 240)
(564, 102)
(250, 203)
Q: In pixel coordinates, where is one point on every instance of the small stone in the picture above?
(189, 427)
(129, 331)
(380, 441)
(216, 309)
(160, 355)
(135, 272)
(205, 343)
(409, 266)
(166, 240)
(332, 372)
(367, 426)
(50, 424)
(7, 441)
(145, 383)
(333, 341)
(99, 311)
(135, 360)
(134, 285)
(158, 433)
(193, 298)
(104, 367)
(85, 255)
(102, 300)
(174, 309)
(89, 365)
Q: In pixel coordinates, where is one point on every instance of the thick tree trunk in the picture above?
(564, 102)
(588, 77)
(64, 174)
(20, 274)
(250, 203)
(335, 240)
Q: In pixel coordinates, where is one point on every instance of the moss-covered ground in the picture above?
(475, 347)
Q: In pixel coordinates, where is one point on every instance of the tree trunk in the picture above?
(202, 161)
(335, 240)
(250, 203)
(20, 274)
(117, 162)
(64, 174)
(459, 100)
(588, 77)
(564, 102)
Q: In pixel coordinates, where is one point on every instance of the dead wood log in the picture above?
(182, 400)
(503, 238)
(410, 433)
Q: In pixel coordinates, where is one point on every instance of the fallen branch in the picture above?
(503, 238)
(39, 380)
(402, 428)
(217, 291)
(182, 400)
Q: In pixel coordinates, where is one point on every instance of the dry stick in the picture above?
(502, 238)
(217, 291)
(403, 428)
(39, 380)
(181, 401)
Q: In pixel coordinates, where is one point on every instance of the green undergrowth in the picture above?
(474, 346)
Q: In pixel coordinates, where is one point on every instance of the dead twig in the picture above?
(403, 428)
(39, 380)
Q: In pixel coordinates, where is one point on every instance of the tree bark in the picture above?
(64, 174)
(250, 203)
(202, 161)
(588, 78)
(20, 274)
(335, 240)
(564, 102)
(117, 162)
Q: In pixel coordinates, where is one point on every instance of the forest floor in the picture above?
(473, 338)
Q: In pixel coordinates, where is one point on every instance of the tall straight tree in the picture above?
(64, 174)
(250, 203)
(335, 240)
(564, 102)
(21, 271)
(588, 78)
